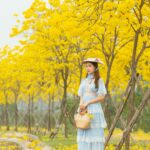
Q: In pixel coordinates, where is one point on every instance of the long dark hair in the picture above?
(96, 74)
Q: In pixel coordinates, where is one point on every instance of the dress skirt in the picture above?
(93, 138)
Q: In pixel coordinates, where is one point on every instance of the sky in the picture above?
(8, 8)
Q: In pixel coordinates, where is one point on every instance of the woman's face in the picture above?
(90, 68)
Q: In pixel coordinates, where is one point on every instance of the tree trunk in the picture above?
(63, 103)
(134, 119)
(6, 116)
(6, 111)
(63, 112)
(29, 115)
(32, 111)
(107, 112)
(65, 116)
(131, 103)
(118, 113)
(49, 113)
(16, 113)
(52, 112)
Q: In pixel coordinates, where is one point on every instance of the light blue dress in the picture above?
(92, 138)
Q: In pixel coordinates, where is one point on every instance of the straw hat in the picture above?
(93, 60)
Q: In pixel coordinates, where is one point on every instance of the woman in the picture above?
(92, 92)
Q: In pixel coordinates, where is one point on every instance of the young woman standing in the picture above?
(92, 92)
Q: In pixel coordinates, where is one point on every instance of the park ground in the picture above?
(15, 140)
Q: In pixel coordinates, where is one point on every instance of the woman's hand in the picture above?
(83, 106)
(83, 109)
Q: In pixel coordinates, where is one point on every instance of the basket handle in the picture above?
(82, 112)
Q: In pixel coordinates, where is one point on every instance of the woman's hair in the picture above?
(96, 74)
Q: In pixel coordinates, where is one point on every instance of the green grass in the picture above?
(59, 139)
(138, 138)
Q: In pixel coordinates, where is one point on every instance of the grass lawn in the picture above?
(139, 140)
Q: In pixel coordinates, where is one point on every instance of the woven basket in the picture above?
(82, 121)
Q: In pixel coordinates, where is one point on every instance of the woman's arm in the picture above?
(80, 103)
(81, 100)
(97, 99)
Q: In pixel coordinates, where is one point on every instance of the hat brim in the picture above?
(93, 61)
